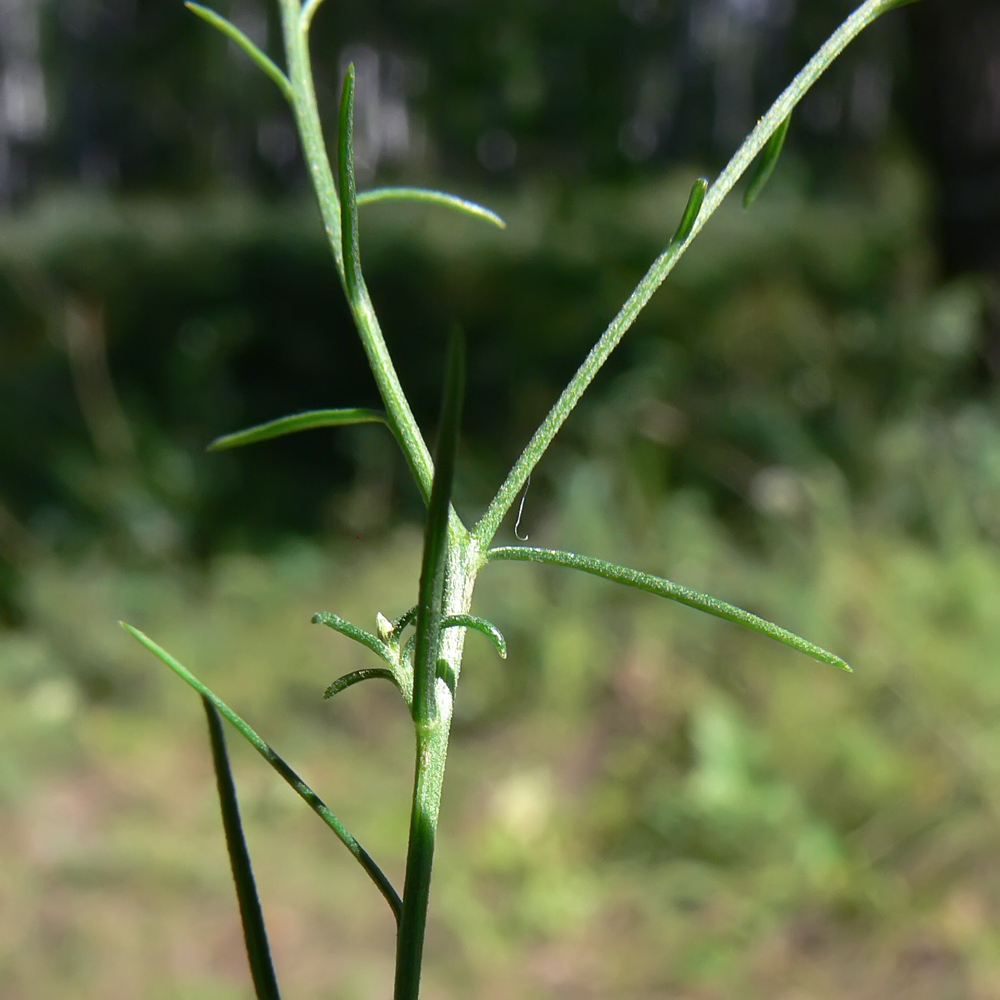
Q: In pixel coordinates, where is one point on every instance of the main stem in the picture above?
(400, 417)
(431, 756)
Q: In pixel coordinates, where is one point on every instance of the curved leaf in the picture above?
(232, 32)
(296, 422)
(356, 677)
(432, 197)
(672, 591)
(344, 627)
(480, 625)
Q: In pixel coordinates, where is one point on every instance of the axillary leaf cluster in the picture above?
(425, 666)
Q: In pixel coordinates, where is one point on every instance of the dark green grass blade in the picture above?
(307, 421)
(480, 625)
(432, 571)
(672, 591)
(314, 802)
(356, 677)
(232, 32)
(344, 627)
(265, 983)
(766, 164)
(348, 191)
(691, 211)
(429, 196)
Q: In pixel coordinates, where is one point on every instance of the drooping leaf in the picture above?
(672, 591)
(480, 625)
(402, 621)
(431, 197)
(344, 627)
(265, 982)
(691, 211)
(310, 420)
(314, 802)
(348, 190)
(232, 32)
(356, 676)
(766, 164)
(432, 572)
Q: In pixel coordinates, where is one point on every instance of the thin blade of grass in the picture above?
(429, 196)
(480, 625)
(691, 211)
(311, 799)
(310, 420)
(432, 571)
(348, 191)
(265, 982)
(766, 164)
(232, 32)
(672, 591)
(344, 627)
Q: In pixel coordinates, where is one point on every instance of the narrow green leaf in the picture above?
(356, 676)
(348, 191)
(314, 802)
(402, 621)
(766, 164)
(672, 591)
(265, 982)
(691, 211)
(432, 197)
(344, 627)
(307, 421)
(432, 572)
(480, 625)
(232, 32)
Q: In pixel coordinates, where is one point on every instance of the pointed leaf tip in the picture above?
(310, 420)
(768, 161)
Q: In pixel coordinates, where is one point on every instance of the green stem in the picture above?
(432, 752)
(403, 424)
(664, 264)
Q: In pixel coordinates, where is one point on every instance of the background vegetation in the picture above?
(643, 803)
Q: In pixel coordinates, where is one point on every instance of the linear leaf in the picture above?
(766, 164)
(356, 676)
(348, 190)
(254, 932)
(462, 205)
(314, 802)
(672, 591)
(432, 571)
(480, 625)
(344, 627)
(232, 32)
(296, 422)
(692, 210)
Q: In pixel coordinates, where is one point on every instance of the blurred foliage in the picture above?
(643, 803)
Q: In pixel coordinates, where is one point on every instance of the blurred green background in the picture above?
(643, 803)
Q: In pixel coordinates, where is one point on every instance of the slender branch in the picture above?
(295, 26)
(672, 591)
(314, 802)
(664, 264)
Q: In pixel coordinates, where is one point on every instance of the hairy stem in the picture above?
(664, 264)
